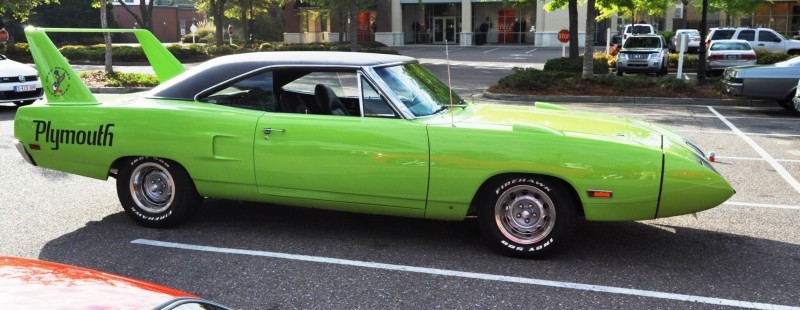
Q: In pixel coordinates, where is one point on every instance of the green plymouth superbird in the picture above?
(357, 132)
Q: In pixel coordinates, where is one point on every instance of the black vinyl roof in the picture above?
(188, 84)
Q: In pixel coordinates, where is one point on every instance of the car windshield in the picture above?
(691, 33)
(730, 46)
(417, 88)
(643, 42)
(794, 62)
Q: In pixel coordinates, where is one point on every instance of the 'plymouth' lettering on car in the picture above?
(100, 137)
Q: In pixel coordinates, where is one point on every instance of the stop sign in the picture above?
(3, 35)
(230, 30)
(563, 36)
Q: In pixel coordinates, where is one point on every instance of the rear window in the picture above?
(722, 34)
(730, 46)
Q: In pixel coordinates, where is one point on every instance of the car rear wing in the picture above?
(62, 84)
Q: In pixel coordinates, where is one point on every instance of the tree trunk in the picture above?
(106, 36)
(342, 25)
(353, 28)
(573, 29)
(588, 50)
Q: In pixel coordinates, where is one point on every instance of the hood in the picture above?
(547, 118)
(13, 68)
(641, 50)
(35, 284)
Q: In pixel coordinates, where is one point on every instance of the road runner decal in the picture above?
(100, 137)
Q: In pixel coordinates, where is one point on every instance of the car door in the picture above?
(770, 41)
(373, 161)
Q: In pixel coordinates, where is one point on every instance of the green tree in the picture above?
(14, 12)
(247, 11)
(351, 7)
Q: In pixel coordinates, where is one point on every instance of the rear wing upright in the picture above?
(62, 84)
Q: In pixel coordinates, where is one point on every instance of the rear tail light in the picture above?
(715, 57)
(748, 57)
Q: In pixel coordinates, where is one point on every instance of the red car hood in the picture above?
(33, 284)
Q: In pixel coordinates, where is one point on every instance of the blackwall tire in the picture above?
(527, 216)
(156, 192)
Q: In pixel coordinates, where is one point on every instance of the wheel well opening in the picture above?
(473, 206)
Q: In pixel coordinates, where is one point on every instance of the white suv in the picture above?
(635, 29)
(759, 38)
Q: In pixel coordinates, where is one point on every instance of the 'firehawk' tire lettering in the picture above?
(527, 216)
(156, 192)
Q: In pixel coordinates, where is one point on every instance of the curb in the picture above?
(743, 102)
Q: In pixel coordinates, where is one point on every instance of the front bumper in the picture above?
(630, 65)
(733, 87)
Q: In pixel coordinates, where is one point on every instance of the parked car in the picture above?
(635, 29)
(692, 40)
(359, 132)
(776, 81)
(643, 54)
(729, 53)
(35, 284)
(759, 38)
(19, 83)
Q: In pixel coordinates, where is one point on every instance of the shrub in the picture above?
(765, 57)
(225, 49)
(689, 61)
(667, 35)
(564, 64)
(118, 79)
(266, 46)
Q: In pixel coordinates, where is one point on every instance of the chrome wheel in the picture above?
(152, 187)
(525, 214)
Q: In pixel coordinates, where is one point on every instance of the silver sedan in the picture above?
(776, 81)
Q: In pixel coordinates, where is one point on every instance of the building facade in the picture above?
(459, 22)
(170, 21)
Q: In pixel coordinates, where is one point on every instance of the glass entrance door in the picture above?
(444, 28)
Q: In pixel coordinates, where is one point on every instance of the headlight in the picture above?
(654, 56)
(622, 56)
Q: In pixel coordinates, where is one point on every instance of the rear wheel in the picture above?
(787, 103)
(527, 216)
(156, 192)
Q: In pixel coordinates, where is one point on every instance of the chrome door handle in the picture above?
(270, 130)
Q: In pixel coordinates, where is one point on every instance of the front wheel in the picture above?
(526, 216)
(156, 192)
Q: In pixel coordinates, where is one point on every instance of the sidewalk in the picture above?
(742, 102)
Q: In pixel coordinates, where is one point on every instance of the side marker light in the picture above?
(34, 147)
(712, 156)
(600, 194)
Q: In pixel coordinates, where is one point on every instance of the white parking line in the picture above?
(761, 205)
(747, 133)
(491, 50)
(531, 51)
(758, 159)
(468, 275)
(772, 162)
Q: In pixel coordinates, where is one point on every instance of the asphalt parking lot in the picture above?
(745, 253)
(742, 254)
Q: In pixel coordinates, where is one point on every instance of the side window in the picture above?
(748, 35)
(722, 34)
(767, 36)
(374, 105)
(253, 93)
(319, 92)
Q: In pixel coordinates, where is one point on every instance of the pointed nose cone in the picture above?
(690, 186)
